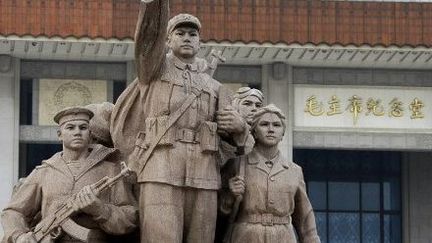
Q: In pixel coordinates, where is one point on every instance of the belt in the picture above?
(186, 135)
(96, 235)
(266, 219)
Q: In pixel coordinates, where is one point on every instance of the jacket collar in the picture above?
(57, 162)
(279, 163)
(97, 154)
(181, 65)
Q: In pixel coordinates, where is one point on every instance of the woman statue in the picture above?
(272, 190)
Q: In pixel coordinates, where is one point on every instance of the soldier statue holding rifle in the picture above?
(79, 193)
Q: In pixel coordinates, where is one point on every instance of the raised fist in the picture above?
(230, 121)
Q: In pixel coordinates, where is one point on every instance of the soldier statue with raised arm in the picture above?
(165, 121)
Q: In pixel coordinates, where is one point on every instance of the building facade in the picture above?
(354, 79)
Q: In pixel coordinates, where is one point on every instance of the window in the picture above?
(355, 194)
(26, 101)
(32, 154)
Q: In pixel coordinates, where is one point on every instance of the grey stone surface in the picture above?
(5, 63)
(57, 70)
(348, 140)
(332, 139)
(424, 140)
(363, 140)
(299, 75)
(31, 134)
(350, 76)
(281, 93)
(73, 70)
(364, 77)
(317, 141)
(331, 76)
(9, 118)
(279, 70)
(238, 74)
(398, 141)
(382, 141)
(6, 88)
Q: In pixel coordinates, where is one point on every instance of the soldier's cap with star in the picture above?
(73, 114)
(183, 19)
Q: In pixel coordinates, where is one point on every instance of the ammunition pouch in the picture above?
(209, 139)
(206, 135)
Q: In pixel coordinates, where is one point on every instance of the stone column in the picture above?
(277, 86)
(9, 127)
(417, 199)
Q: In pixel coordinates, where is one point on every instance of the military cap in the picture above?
(183, 19)
(244, 92)
(73, 114)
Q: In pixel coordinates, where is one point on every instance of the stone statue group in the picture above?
(200, 158)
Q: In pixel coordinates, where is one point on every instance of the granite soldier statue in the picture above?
(246, 101)
(165, 121)
(48, 189)
(272, 189)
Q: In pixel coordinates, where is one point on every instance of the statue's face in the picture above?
(269, 130)
(248, 107)
(75, 135)
(184, 42)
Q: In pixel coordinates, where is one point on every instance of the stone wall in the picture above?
(9, 127)
(278, 89)
(375, 139)
(361, 76)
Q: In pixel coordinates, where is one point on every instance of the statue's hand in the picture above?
(88, 202)
(237, 186)
(230, 121)
(26, 238)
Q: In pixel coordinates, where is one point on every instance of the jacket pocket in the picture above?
(209, 139)
(155, 126)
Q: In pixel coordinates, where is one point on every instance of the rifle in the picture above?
(214, 59)
(51, 226)
(238, 199)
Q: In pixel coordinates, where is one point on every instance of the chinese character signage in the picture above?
(363, 107)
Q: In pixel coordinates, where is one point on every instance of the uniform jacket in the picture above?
(164, 83)
(51, 183)
(278, 191)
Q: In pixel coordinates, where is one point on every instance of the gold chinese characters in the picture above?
(356, 107)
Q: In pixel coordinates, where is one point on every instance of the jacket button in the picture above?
(272, 178)
(271, 201)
